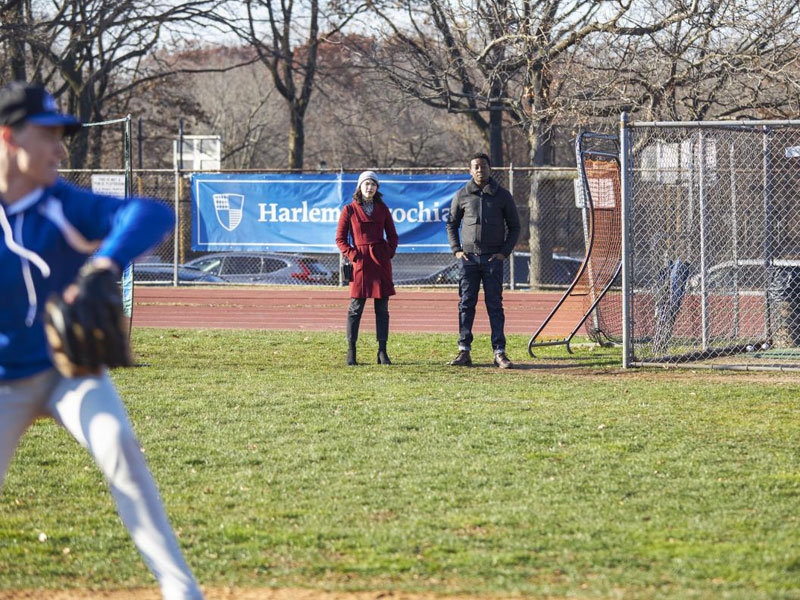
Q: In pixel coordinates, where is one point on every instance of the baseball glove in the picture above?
(88, 332)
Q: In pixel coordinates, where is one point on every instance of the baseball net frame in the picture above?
(599, 191)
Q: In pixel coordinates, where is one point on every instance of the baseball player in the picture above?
(61, 252)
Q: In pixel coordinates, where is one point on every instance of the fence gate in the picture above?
(711, 234)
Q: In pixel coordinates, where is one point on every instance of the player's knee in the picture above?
(115, 448)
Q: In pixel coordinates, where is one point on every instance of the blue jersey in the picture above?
(45, 238)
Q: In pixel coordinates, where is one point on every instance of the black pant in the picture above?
(474, 270)
(381, 318)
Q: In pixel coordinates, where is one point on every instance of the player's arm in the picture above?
(137, 225)
(453, 225)
(391, 233)
(512, 224)
(342, 231)
(85, 325)
(120, 229)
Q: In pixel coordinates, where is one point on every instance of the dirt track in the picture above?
(321, 309)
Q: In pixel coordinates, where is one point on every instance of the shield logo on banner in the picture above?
(229, 208)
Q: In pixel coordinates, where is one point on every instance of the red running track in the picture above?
(321, 309)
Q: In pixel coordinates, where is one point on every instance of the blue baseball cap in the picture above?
(22, 102)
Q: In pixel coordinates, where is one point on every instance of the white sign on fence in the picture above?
(109, 185)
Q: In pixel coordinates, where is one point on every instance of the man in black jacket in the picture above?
(487, 217)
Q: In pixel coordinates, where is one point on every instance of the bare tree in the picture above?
(355, 117)
(360, 119)
(731, 59)
(90, 52)
(287, 36)
(12, 23)
(241, 105)
(493, 56)
(433, 63)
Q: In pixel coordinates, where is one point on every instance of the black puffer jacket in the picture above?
(487, 218)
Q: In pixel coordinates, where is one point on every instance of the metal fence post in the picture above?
(734, 243)
(342, 283)
(768, 232)
(702, 207)
(176, 234)
(625, 184)
(127, 274)
(512, 283)
(534, 220)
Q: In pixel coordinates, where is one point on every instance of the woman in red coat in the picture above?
(367, 218)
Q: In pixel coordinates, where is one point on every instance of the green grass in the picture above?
(282, 467)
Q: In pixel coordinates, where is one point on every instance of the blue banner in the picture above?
(299, 213)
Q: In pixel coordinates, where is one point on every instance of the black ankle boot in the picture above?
(383, 358)
(351, 354)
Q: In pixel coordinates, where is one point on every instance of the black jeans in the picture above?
(474, 270)
(381, 318)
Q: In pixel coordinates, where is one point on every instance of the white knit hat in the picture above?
(368, 175)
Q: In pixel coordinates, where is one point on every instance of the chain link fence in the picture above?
(547, 255)
(713, 244)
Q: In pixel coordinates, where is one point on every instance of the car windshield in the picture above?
(273, 264)
(209, 265)
(312, 266)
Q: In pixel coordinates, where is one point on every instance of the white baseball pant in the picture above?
(90, 409)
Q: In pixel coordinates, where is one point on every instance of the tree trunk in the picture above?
(541, 229)
(297, 138)
(95, 155)
(79, 143)
(14, 17)
(496, 136)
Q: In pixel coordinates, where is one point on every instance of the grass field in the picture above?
(282, 467)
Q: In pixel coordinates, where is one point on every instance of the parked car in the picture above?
(164, 273)
(148, 258)
(749, 275)
(426, 274)
(264, 267)
(564, 270)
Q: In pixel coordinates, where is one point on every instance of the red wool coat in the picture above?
(371, 253)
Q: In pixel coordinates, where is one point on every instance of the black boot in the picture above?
(353, 321)
(383, 358)
(351, 353)
(382, 329)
